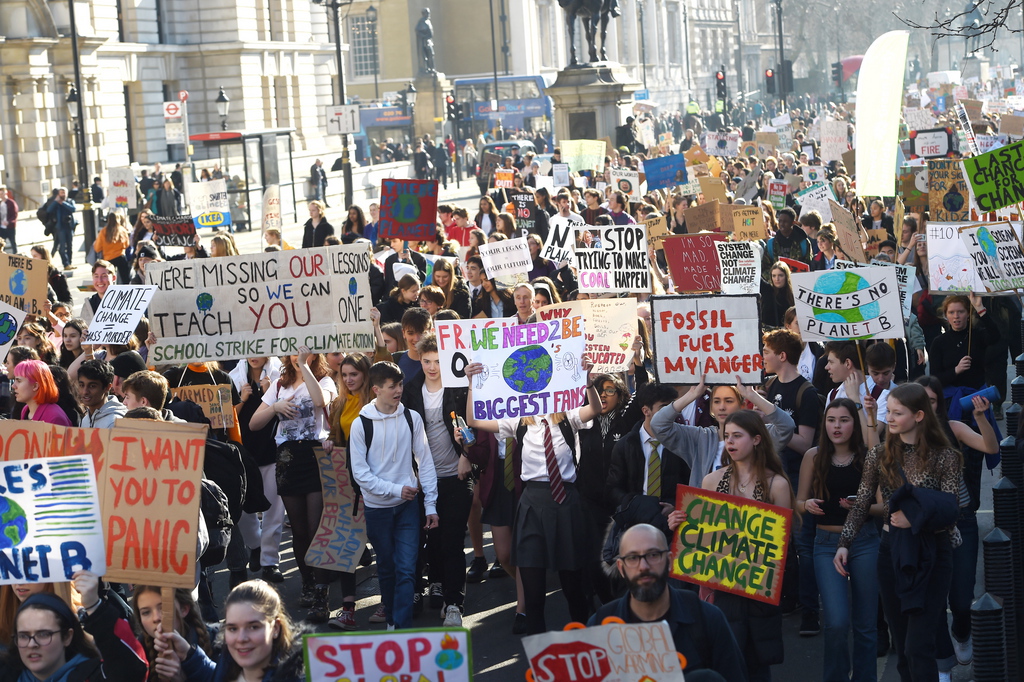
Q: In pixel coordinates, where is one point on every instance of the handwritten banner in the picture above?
(611, 329)
(583, 155)
(997, 178)
(665, 171)
(208, 202)
(841, 305)
(340, 539)
(178, 230)
(454, 347)
(122, 189)
(731, 544)
(618, 652)
(506, 258)
(445, 655)
(693, 261)
(121, 308)
(408, 209)
(255, 305)
(560, 246)
(272, 208)
(504, 179)
(997, 255)
(719, 336)
(618, 262)
(627, 182)
(748, 224)
(834, 140)
(11, 320)
(23, 283)
(817, 198)
(950, 266)
(657, 228)
(50, 520)
(741, 267)
(215, 400)
(947, 191)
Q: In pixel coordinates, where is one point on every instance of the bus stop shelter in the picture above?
(250, 161)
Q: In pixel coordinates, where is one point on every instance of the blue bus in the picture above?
(522, 104)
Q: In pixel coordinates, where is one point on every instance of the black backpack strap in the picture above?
(367, 432)
(408, 419)
(570, 439)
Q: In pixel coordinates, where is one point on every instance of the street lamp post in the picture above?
(686, 36)
(77, 112)
(371, 19)
(223, 104)
(643, 42)
(346, 161)
(782, 57)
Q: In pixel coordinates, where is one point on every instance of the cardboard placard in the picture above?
(524, 208)
(748, 224)
(408, 209)
(820, 198)
(504, 179)
(918, 119)
(506, 258)
(777, 190)
(51, 520)
(122, 189)
(996, 177)
(741, 267)
(489, 163)
(583, 155)
(560, 174)
(627, 182)
(987, 143)
(611, 328)
(834, 140)
(177, 230)
(11, 319)
(950, 266)
(731, 544)
(997, 255)
(23, 283)
(748, 148)
(850, 162)
(898, 214)
(795, 265)
(914, 187)
(695, 155)
(529, 369)
(703, 218)
(1012, 125)
(255, 305)
(848, 231)
(842, 305)
(932, 144)
(619, 652)
(905, 279)
(875, 238)
(947, 191)
(454, 349)
(272, 208)
(215, 400)
(814, 174)
(657, 228)
(424, 654)
(713, 189)
(714, 335)
(560, 246)
(341, 537)
(693, 261)
(208, 202)
(618, 264)
(118, 315)
(767, 143)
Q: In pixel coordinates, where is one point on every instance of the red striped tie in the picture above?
(554, 475)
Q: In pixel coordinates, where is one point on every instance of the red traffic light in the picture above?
(449, 99)
(769, 73)
(720, 75)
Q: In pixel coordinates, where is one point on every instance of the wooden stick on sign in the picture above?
(167, 609)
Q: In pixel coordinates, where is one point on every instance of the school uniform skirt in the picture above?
(546, 534)
(501, 508)
(297, 470)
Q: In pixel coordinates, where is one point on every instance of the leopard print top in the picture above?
(944, 473)
(725, 486)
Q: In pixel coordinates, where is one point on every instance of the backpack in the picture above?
(805, 249)
(45, 218)
(224, 466)
(217, 514)
(799, 392)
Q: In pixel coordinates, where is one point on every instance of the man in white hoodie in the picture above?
(391, 463)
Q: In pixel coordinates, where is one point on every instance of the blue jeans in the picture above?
(62, 238)
(961, 591)
(840, 609)
(394, 533)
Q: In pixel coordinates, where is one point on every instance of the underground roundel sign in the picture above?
(577, 661)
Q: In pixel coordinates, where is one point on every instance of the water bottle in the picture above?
(468, 437)
(992, 393)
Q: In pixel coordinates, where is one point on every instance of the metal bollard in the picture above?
(1010, 464)
(998, 556)
(1017, 390)
(1012, 415)
(989, 640)
(1019, 363)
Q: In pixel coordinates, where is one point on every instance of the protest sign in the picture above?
(340, 539)
(489, 162)
(918, 118)
(151, 488)
(504, 179)
(716, 335)
(795, 265)
(261, 304)
(662, 172)
(702, 218)
(879, 95)
(656, 229)
(215, 400)
(748, 148)
(740, 263)
(619, 264)
(52, 522)
(560, 174)
(950, 266)
(722, 144)
(817, 198)
(524, 208)
(11, 319)
(875, 239)
(627, 182)
(914, 187)
(777, 190)
(731, 544)
(841, 305)
(905, 279)
(932, 144)
(1012, 126)
(848, 231)
(997, 177)
(784, 129)
(506, 258)
(272, 208)
(987, 143)
(208, 202)
(766, 144)
(748, 224)
(972, 107)
(583, 155)
(454, 349)
(441, 655)
(611, 329)
(177, 230)
(617, 652)
(119, 313)
(850, 162)
(996, 252)
(693, 261)
(529, 369)
(408, 209)
(122, 189)
(695, 154)
(23, 284)
(898, 214)
(814, 174)
(560, 246)
(947, 191)
(966, 127)
(713, 189)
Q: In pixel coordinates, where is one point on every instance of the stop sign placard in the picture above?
(576, 661)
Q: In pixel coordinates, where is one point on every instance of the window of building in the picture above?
(675, 34)
(362, 46)
(546, 43)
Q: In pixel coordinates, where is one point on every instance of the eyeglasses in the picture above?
(654, 558)
(608, 391)
(40, 637)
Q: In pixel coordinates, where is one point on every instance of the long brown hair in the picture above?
(115, 228)
(764, 459)
(826, 448)
(191, 622)
(264, 599)
(444, 265)
(930, 436)
(290, 374)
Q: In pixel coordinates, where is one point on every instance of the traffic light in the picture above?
(837, 73)
(769, 81)
(721, 90)
(402, 102)
(452, 107)
(787, 77)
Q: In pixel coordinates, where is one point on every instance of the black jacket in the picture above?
(914, 550)
(453, 400)
(460, 301)
(482, 303)
(315, 236)
(626, 470)
(596, 455)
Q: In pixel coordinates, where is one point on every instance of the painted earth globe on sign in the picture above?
(8, 328)
(13, 523)
(987, 244)
(841, 283)
(204, 302)
(528, 369)
(18, 282)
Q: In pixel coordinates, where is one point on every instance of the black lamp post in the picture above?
(410, 99)
(346, 161)
(371, 19)
(643, 40)
(77, 112)
(223, 104)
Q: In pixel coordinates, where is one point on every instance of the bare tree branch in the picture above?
(984, 33)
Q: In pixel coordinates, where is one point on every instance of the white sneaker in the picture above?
(945, 677)
(391, 627)
(964, 650)
(453, 617)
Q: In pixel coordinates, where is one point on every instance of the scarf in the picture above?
(60, 676)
